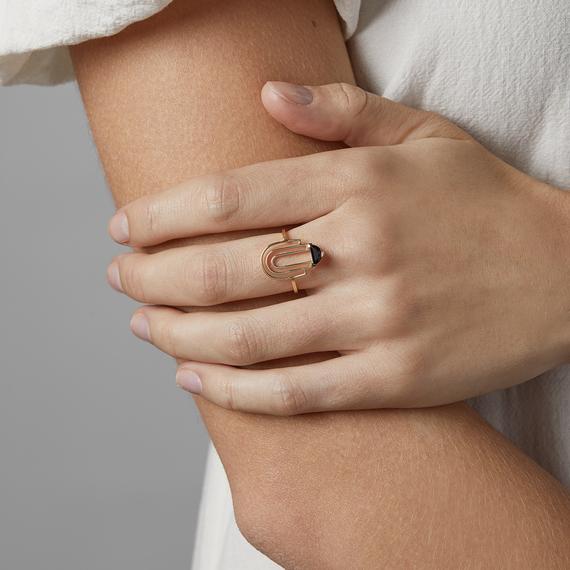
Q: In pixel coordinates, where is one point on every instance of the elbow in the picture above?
(278, 523)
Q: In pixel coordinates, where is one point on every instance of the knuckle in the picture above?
(408, 375)
(243, 343)
(402, 307)
(373, 171)
(133, 279)
(380, 165)
(222, 197)
(228, 389)
(339, 172)
(355, 99)
(151, 215)
(289, 398)
(368, 169)
(435, 125)
(210, 272)
(374, 310)
(167, 338)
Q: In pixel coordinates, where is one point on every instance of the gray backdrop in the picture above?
(101, 456)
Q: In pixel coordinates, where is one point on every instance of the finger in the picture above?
(240, 338)
(263, 195)
(342, 383)
(344, 112)
(213, 274)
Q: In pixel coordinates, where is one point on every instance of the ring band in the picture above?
(274, 252)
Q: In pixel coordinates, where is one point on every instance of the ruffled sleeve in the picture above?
(34, 34)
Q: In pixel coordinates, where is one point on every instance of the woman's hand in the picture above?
(445, 273)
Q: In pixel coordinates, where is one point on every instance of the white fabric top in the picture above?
(498, 68)
(34, 33)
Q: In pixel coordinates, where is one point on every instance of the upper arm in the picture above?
(178, 95)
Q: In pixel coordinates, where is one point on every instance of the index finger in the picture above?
(263, 195)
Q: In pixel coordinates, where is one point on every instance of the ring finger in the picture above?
(212, 274)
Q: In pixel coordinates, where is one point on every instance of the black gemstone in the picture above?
(316, 253)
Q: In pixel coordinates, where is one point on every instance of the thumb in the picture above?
(344, 112)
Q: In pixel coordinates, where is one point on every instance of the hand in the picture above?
(445, 275)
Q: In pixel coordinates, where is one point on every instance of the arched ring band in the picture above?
(274, 259)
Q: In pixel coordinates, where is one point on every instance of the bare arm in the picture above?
(178, 95)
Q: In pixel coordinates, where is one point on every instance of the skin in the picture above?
(434, 488)
(431, 238)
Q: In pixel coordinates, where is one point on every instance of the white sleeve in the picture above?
(34, 34)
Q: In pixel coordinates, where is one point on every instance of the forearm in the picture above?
(432, 489)
(177, 96)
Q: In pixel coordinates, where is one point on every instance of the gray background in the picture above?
(101, 456)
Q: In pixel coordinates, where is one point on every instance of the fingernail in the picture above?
(113, 277)
(298, 94)
(188, 380)
(140, 326)
(119, 227)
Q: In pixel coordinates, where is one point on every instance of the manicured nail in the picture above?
(113, 277)
(119, 227)
(140, 326)
(188, 380)
(297, 94)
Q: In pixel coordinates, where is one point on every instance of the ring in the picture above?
(274, 252)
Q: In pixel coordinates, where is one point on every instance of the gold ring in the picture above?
(274, 252)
